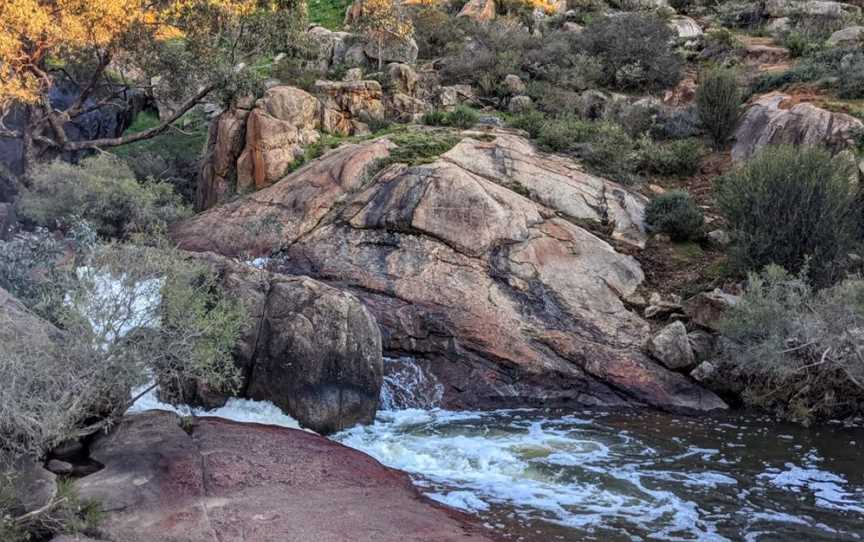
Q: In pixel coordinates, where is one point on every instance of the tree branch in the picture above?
(146, 134)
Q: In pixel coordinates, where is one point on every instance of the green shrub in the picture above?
(103, 191)
(797, 44)
(718, 100)
(839, 69)
(787, 206)
(415, 148)
(794, 351)
(676, 214)
(462, 117)
(635, 51)
(530, 121)
(565, 133)
(435, 118)
(679, 157)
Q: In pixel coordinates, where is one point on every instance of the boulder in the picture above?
(224, 480)
(570, 26)
(34, 486)
(702, 343)
(451, 96)
(477, 263)
(813, 8)
(847, 37)
(402, 78)
(520, 104)
(403, 108)
(311, 349)
(332, 47)
(348, 106)
(671, 347)
(514, 85)
(225, 141)
(776, 119)
(60, 467)
(393, 49)
(478, 10)
(283, 121)
(707, 308)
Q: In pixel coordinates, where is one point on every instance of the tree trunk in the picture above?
(380, 52)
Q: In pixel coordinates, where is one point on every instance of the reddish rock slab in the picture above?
(230, 482)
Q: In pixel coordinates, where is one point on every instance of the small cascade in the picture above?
(409, 384)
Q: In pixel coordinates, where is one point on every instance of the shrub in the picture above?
(462, 117)
(793, 350)
(436, 31)
(840, 68)
(530, 121)
(102, 191)
(679, 157)
(565, 133)
(718, 100)
(788, 206)
(553, 100)
(635, 51)
(132, 315)
(676, 214)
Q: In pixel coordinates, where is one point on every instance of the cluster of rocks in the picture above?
(252, 144)
(688, 341)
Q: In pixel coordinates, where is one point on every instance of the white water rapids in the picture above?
(537, 475)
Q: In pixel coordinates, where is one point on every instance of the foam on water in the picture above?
(238, 410)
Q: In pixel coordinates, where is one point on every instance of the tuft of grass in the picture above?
(416, 148)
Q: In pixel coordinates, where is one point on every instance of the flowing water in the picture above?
(539, 475)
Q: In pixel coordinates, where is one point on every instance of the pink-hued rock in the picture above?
(230, 482)
(478, 262)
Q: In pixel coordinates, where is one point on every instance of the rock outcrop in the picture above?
(477, 261)
(311, 349)
(348, 106)
(813, 8)
(478, 10)
(846, 37)
(672, 348)
(227, 481)
(777, 119)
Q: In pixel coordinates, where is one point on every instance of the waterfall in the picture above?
(409, 384)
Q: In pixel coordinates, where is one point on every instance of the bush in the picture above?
(565, 133)
(787, 206)
(635, 51)
(131, 315)
(718, 100)
(680, 157)
(103, 191)
(530, 121)
(676, 214)
(795, 351)
(841, 69)
(462, 117)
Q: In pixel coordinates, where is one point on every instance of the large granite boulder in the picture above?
(847, 37)
(226, 139)
(311, 349)
(479, 262)
(283, 121)
(392, 49)
(479, 10)
(331, 47)
(777, 119)
(348, 106)
(221, 480)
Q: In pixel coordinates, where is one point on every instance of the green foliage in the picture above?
(635, 51)
(718, 100)
(531, 121)
(787, 206)
(462, 117)
(795, 351)
(328, 13)
(130, 315)
(838, 69)
(676, 214)
(435, 118)
(414, 148)
(103, 191)
(797, 43)
(68, 515)
(680, 157)
(565, 133)
(172, 156)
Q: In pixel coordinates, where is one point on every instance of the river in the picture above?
(539, 475)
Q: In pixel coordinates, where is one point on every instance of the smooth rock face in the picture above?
(311, 349)
(773, 120)
(685, 27)
(225, 141)
(35, 487)
(284, 120)
(846, 37)
(475, 263)
(672, 347)
(394, 50)
(478, 10)
(242, 482)
(349, 105)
